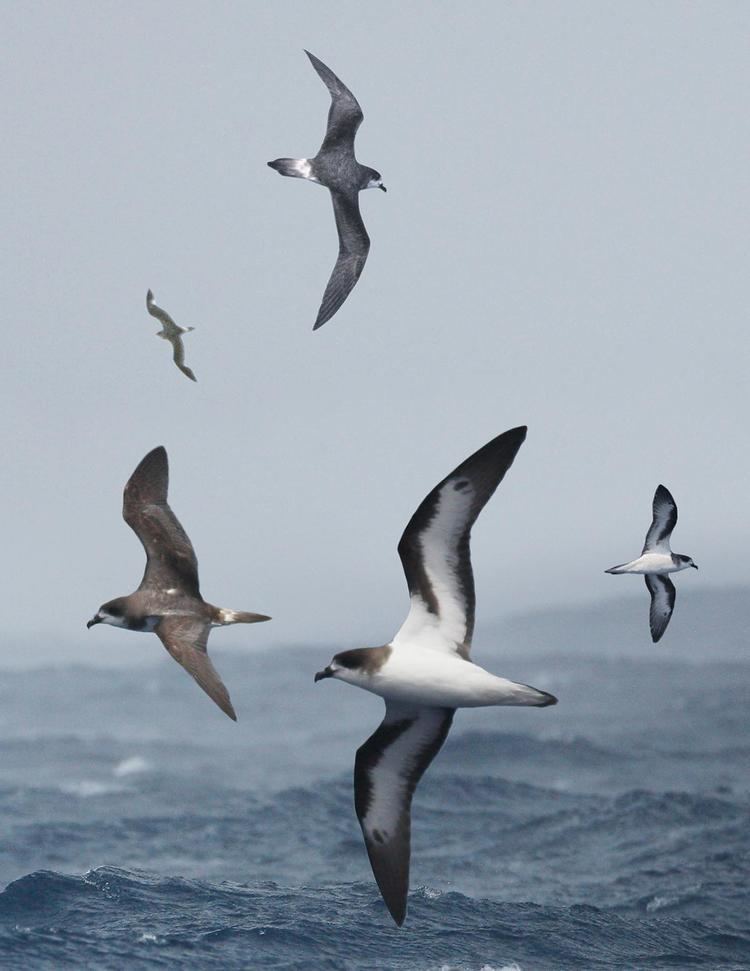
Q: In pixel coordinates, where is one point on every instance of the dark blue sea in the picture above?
(142, 829)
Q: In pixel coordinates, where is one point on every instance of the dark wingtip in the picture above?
(150, 479)
(159, 452)
(397, 910)
(149, 296)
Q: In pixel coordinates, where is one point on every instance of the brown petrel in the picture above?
(336, 167)
(168, 601)
(425, 673)
(172, 332)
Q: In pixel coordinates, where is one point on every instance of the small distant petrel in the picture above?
(168, 601)
(657, 560)
(425, 673)
(338, 170)
(172, 332)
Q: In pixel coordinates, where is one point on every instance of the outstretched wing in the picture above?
(663, 596)
(178, 356)
(386, 772)
(345, 115)
(663, 522)
(170, 558)
(161, 315)
(354, 245)
(186, 639)
(435, 553)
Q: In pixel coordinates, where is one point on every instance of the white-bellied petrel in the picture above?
(425, 673)
(168, 601)
(657, 560)
(336, 168)
(172, 332)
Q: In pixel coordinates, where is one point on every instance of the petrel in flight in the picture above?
(657, 560)
(172, 332)
(336, 167)
(425, 673)
(168, 601)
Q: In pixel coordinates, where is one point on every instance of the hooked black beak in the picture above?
(94, 620)
(325, 673)
(694, 565)
(381, 186)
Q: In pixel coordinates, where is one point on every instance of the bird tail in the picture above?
(297, 168)
(621, 568)
(240, 617)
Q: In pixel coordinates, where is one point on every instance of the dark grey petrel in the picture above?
(168, 601)
(172, 332)
(336, 167)
(426, 671)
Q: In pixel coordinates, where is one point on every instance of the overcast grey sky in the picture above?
(564, 243)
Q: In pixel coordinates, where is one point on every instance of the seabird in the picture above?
(657, 560)
(425, 672)
(172, 332)
(336, 168)
(168, 601)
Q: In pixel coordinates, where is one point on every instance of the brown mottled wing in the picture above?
(178, 357)
(186, 639)
(354, 245)
(435, 551)
(386, 772)
(345, 115)
(663, 522)
(663, 596)
(170, 558)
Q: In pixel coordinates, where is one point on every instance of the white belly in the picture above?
(435, 678)
(653, 563)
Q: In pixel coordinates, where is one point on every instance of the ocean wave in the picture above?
(112, 917)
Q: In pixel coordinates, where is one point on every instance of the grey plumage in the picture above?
(663, 520)
(336, 167)
(171, 332)
(663, 595)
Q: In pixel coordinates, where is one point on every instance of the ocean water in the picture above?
(142, 829)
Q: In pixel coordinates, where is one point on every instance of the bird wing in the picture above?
(663, 522)
(186, 639)
(170, 557)
(663, 596)
(435, 553)
(345, 115)
(178, 356)
(386, 772)
(161, 315)
(354, 245)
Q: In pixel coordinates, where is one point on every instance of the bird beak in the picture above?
(381, 186)
(94, 620)
(695, 565)
(325, 673)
